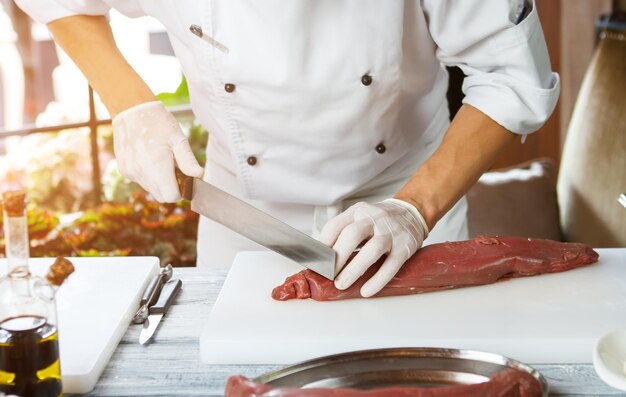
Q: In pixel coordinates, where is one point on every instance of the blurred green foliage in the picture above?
(138, 227)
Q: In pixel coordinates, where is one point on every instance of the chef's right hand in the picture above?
(148, 143)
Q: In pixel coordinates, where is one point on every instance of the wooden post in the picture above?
(95, 155)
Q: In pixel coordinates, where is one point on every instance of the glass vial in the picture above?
(15, 232)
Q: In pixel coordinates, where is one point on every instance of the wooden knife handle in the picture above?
(185, 184)
(168, 293)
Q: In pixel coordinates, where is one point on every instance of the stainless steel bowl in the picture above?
(371, 369)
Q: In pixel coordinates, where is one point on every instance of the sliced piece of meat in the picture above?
(482, 260)
(506, 383)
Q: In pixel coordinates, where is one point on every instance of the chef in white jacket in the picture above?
(328, 114)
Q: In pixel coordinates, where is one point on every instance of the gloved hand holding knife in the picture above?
(148, 142)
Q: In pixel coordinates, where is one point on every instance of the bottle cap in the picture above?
(60, 269)
(14, 202)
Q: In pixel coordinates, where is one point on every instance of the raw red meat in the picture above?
(482, 260)
(507, 383)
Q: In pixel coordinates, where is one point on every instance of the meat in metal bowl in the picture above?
(397, 367)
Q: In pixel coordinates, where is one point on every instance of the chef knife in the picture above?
(157, 311)
(256, 225)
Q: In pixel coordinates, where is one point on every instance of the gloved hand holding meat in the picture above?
(393, 227)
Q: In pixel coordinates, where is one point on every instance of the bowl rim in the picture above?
(412, 352)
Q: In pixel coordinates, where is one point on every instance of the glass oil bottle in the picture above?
(29, 348)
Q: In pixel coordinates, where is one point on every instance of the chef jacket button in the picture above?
(251, 160)
(366, 79)
(228, 87)
(381, 148)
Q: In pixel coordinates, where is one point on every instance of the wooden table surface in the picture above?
(170, 365)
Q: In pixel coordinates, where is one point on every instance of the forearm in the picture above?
(88, 40)
(469, 147)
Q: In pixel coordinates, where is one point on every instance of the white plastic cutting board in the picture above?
(552, 318)
(95, 306)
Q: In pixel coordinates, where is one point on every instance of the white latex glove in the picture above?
(393, 227)
(148, 143)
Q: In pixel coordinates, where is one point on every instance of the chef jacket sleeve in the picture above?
(46, 11)
(499, 45)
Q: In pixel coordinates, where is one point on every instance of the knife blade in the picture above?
(257, 225)
(158, 310)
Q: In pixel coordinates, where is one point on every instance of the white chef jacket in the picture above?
(317, 101)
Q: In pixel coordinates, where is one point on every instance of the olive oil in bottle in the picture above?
(29, 347)
(29, 357)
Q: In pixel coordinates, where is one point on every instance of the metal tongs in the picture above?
(151, 294)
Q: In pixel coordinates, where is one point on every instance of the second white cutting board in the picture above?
(95, 306)
(553, 318)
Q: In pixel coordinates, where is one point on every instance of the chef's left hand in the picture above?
(393, 227)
